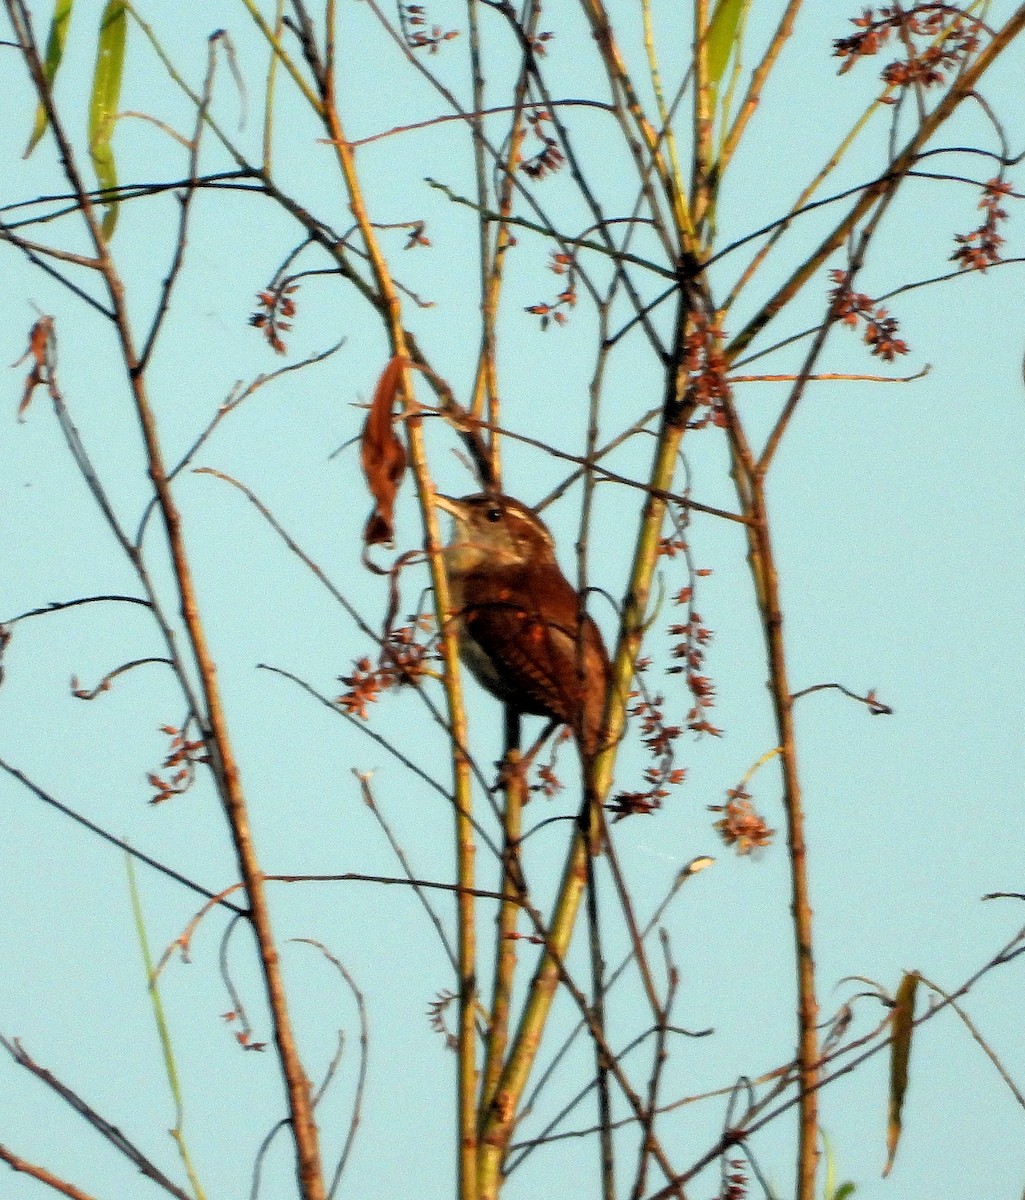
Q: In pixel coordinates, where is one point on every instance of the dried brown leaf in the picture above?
(382, 455)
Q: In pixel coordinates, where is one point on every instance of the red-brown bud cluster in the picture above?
(981, 248)
(274, 313)
(936, 39)
(403, 660)
(852, 307)
(183, 756)
(740, 826)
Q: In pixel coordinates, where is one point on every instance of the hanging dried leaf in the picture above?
(382, 455)
(42, 352)
(902, 1022)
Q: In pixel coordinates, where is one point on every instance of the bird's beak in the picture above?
(449, 504)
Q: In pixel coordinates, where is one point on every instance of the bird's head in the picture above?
(496, 530)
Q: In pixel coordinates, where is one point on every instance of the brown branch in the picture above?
(661, 1057)
(364, 777)
(763, 567)
(961, 88)
(568, 241)
(120, 843)
(364, 1046)
(81, 693)
(213, 722)
(486, 840)
(831, 376)
(602, 1047)
(692, 868)
(977, 1037)
(36, 248)
(1010, 951)
(875, 706)
(185, 202)
(111, 1132)
(591, 463)
(16, 1163)
(467, 117)
(393, 881)
(758, 78)
(602, 1067)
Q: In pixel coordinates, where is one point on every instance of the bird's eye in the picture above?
(494, 514)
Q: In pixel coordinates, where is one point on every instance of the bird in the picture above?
(521, 626)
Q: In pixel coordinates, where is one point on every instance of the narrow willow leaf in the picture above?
(902, 1022)
(830, 1191)
(829, 1186)
(106, 95)
(721, 37)
(54, 53)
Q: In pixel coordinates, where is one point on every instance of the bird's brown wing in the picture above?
(539, 652)
(520, 654)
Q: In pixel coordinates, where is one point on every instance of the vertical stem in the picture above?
(485, 383)
(215, 727)
(622, 85)
(513, 887)
(390, 307)
(268, 103)
(601, 1071)
(666, 131)
(702, 116)
(467, 955)
(598, 984)
(485, 395)
(767, 589)
(499, 1120)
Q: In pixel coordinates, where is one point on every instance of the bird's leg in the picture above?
(528, 759)
(516, 764)
(513, 781)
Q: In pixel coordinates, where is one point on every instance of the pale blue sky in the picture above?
(898, 528)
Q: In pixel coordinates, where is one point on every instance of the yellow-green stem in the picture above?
(702, 132)
(763, 568)
(508, 912)
(389, 306)
(621, 83)
(500, 1119)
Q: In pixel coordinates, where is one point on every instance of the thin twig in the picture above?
(17, 1163)
(112, 1134)
(120, 843)
(363, 778)
(364, 1048)
(62, 605)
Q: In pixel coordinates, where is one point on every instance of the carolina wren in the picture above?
(521, 625)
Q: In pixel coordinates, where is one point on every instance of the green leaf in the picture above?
(721, 37)
(51, 64)
(106, 95)
(902, 1023)
(830, 1163)
(829, 1189)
